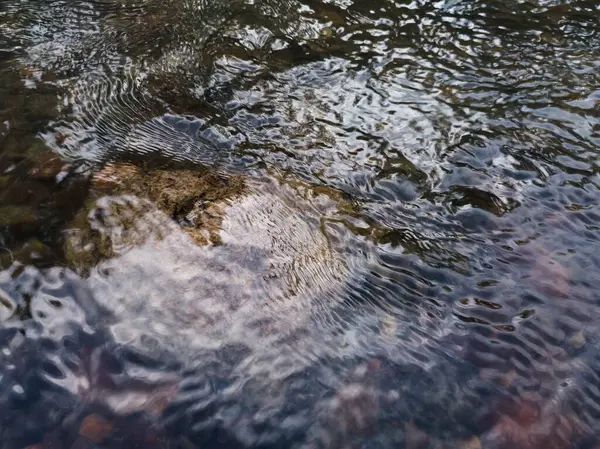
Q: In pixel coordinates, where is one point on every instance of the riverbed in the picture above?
(299, 224)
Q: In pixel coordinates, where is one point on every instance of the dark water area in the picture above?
(314, 224)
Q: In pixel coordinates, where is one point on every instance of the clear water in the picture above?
(413, 263)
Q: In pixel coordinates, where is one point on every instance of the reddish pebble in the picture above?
(95, 428)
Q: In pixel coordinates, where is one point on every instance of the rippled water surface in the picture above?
(299, 224)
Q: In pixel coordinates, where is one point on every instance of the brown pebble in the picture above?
(46, 167)
(95, 428)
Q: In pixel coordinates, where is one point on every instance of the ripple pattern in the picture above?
(414, 261)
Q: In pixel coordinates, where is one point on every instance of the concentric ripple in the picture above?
(413, 262)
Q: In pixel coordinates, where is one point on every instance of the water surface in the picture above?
(413, 260)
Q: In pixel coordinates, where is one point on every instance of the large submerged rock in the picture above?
(207, 259)
(123, 198)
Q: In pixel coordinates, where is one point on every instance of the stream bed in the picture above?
(310, 224)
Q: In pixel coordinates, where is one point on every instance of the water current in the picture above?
(340, 224)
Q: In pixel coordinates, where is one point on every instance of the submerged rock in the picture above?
(186, 251)
(279, 225)
(46, 167)
(125, 196)
(190, 197)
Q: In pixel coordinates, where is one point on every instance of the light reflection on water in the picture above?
(415, 250)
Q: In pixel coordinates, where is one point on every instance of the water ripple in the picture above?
(415, 252)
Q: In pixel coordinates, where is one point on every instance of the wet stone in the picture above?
(95, 428)
(194, 200)
(46, 167)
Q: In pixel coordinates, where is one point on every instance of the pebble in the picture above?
(46, 167)
(95, 428)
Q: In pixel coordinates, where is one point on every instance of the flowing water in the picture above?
(299, 224)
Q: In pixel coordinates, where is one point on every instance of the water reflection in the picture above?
(411, 260)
